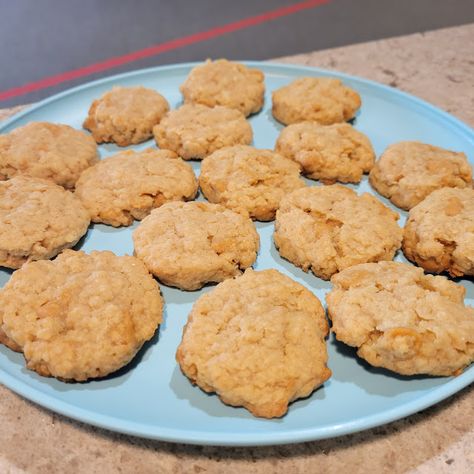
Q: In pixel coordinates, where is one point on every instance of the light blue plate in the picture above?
(150, 397)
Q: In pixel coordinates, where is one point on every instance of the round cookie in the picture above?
(245, 179)
(226, 83)
(6, 341)
(439, 232)
(401, 319)
(323, 100)
(45, 150)
(329, 153)
(190, 244)
(408, 171)
(129, 185)
(195, 131)
(38, 219)
(80, 316)
(258, 341)
(329, 228)
(125, 115)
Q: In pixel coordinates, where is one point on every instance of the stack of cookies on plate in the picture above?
(258, 339)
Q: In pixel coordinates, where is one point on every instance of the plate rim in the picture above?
(217, 438)
(406, 96)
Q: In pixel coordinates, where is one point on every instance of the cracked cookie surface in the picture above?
(329, 153)
(129, 185)
(80, 316)
(246, 179)
(125, 115)
(439, 232)
(328, 228)
(407, 172)
(38, 219)
(258, 341)
(323, 100)
(190, 244)
(55, 152)
(226, 83)
(195, 131)
(401, 319)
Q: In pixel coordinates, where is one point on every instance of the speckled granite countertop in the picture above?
(441, 439)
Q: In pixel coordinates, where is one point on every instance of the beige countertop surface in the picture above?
(434, 66)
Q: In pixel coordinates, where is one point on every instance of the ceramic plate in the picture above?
(150, 397)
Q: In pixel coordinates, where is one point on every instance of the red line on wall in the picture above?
(160, 48)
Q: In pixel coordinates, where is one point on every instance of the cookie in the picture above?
(190, 244)
(323, 100)
(38, 219)
(401, 319)
(439, 232)
(80, 316)
(258, 341)
(226, 83)
(408, 171)
(329, 153)
(45, 150)
(194, 131)
(6, 341)
(129, 185)
(245, 179)
(328, 228)
(125, 115)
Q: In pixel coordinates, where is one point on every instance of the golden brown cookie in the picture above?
(126, 115)
(45, 150)
(316, 99)
(6, 341)
(401, 319)
(129, 185)
(329, 153)
(439, 232)
(258, 341)
(328, 228)
(190, 244)
(80, 316)
(245, 179)
(408, 171)
(226, 83)
(194, 131)
(38, 219)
